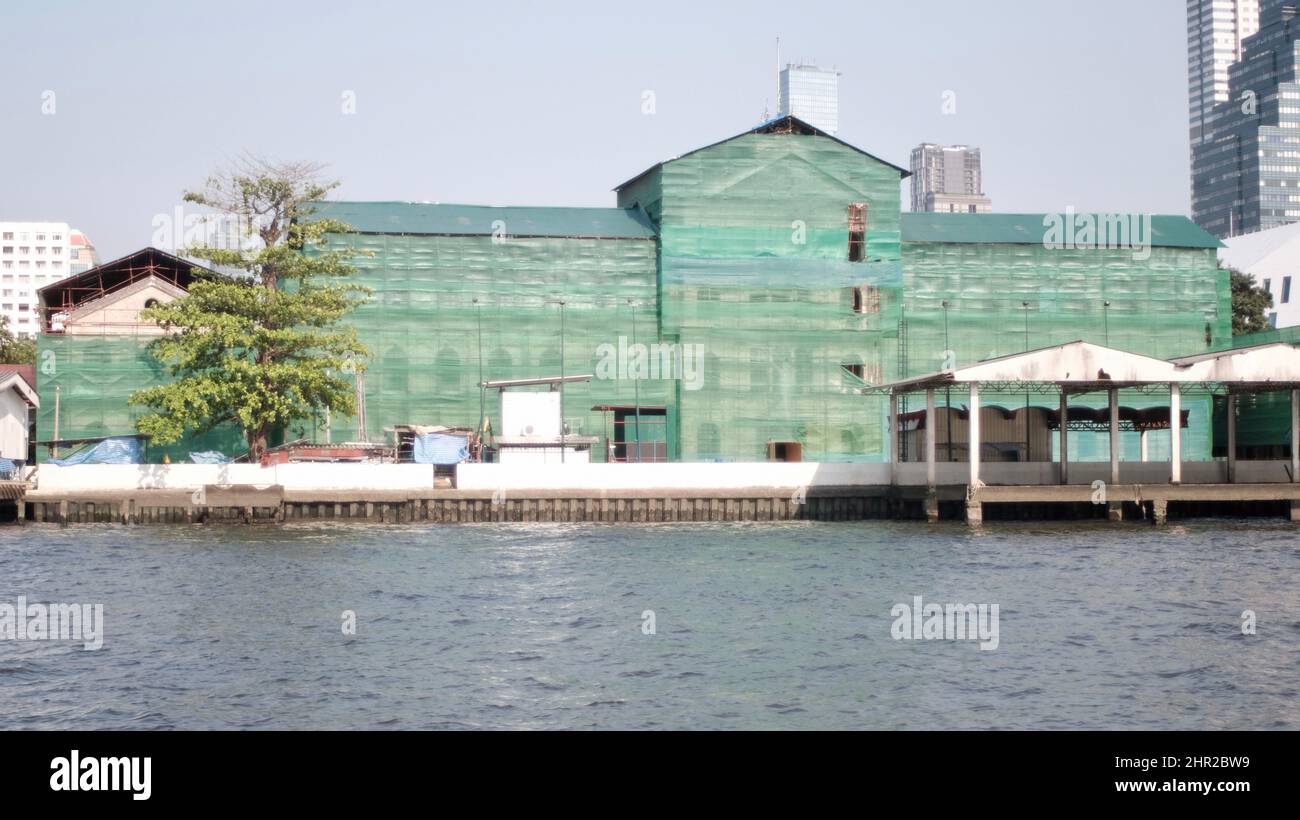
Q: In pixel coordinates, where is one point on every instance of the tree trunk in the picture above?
(257, 445)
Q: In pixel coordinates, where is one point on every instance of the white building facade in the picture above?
(33, 255)
(1273, 258)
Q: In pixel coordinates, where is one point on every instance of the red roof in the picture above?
(27, 371)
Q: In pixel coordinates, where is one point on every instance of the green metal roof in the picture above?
(784, 124)
(479, 220)
(1030, 229)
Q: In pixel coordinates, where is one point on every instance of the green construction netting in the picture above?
(1174, 303)
(752, 280)
(94, 376)
(431, 343)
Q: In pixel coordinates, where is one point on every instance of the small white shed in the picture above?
(17, 400)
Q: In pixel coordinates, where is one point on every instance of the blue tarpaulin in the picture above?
(108, 451)
(440, 449)
(7, 469)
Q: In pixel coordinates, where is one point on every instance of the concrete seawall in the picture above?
(407, 493)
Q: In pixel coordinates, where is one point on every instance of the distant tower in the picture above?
(948, 179)
(1215, 31)
(810, 93)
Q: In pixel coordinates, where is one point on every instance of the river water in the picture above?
(721, 626)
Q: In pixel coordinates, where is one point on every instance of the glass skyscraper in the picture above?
(1215, 32)
(812, 94)
(1246, 166)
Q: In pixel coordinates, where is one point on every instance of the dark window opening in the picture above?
(858, 232)
(784, 451)
(866, 299)
(1286, 289)
(858, 371)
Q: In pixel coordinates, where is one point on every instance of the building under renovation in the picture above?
(736, 304)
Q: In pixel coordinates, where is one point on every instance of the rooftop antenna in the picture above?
(778, 76)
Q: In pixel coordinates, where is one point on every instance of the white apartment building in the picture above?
(948, 179)
(33, 255)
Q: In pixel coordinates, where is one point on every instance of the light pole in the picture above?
(636, 387)
(947, 393)
(1028, 443)
(1105, 321)
(561, 303)
(478, 315)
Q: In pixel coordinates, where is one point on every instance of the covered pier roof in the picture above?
(1082, 367)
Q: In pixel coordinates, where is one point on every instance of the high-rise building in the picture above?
(948, 179)
(1246, 167)
(1215, 31)
(33, 255)
(812, 94)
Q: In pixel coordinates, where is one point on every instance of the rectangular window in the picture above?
(1286, 289)
(858, 232)
(1268, 285)
(866, 299)
(7, 235)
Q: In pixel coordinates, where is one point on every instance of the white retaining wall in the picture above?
(300, 476)
(673, 476)
(677, 476)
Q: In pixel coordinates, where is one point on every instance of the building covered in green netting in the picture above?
(737, 302)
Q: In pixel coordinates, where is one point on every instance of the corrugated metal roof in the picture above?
(1029, 229)
(425, 218)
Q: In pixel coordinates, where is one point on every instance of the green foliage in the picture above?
(261, 348)
(1250, 304)
(14, 350)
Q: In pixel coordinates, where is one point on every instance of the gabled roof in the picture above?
(436, 219)
(1030, 229)
(788, 124)
(15, 381)
(70, 293)
(93, 305)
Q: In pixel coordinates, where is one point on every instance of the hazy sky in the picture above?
(1081, 104)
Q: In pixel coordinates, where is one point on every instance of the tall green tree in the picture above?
(1250, 304)
(12, 349)
(263, 346)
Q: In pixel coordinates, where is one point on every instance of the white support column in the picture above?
(974, 428)
(1065, 437)
(1114, 435)
(930, 428)
(1142, 438)
(893, 437)
(1232, 437)
(1295, 436)
(1175, 434)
